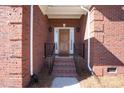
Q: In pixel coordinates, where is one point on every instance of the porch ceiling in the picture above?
(63, 11)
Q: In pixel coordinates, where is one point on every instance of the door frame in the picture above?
(71, 39)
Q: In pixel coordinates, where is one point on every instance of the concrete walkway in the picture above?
(65, 82)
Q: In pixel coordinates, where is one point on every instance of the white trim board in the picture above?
(71, 39)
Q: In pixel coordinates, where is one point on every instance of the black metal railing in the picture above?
(49, 53)
(79, 53)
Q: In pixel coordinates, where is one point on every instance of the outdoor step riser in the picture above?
(64, 72)
(64, 59)
(64, 65)
(63, 62)
(69, 65)
(61, 68)
(65, 75)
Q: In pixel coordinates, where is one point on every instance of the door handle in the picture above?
(56, 46)
(71, 44)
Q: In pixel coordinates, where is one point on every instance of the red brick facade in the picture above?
(107, 25)
(107, 40)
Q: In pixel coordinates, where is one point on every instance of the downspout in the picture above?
(31, 40)
(34, 77)
(88, 25)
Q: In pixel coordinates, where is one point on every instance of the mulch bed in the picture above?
(45, 80)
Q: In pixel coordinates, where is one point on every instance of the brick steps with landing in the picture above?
(64, 66)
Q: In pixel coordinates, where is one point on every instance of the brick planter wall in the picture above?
(107, 29)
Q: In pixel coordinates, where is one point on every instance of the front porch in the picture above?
(63, 68)
(67, 34)
(64, 49)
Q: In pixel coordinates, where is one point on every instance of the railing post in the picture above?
(45, 50)
(83, 50)
(49, 49)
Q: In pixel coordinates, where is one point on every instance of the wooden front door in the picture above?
(64, 41)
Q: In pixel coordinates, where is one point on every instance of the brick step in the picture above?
(68, 64)
(61, 59)
(61, 68)
(64, 57)
(64, 74)
(66, 60)
(64, 71)
(62, 63)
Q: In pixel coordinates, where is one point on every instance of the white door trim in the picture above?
(71, 39)
(71, 49)
(56, 40)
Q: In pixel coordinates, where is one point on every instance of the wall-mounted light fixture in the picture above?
(77, 29)
(64, 25)
(51, 29)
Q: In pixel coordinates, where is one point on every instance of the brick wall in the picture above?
(10, 46)
(40, 37)
(40, 32)
(107, 25)
(25, 45)
(15, 44)
(83, 33)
